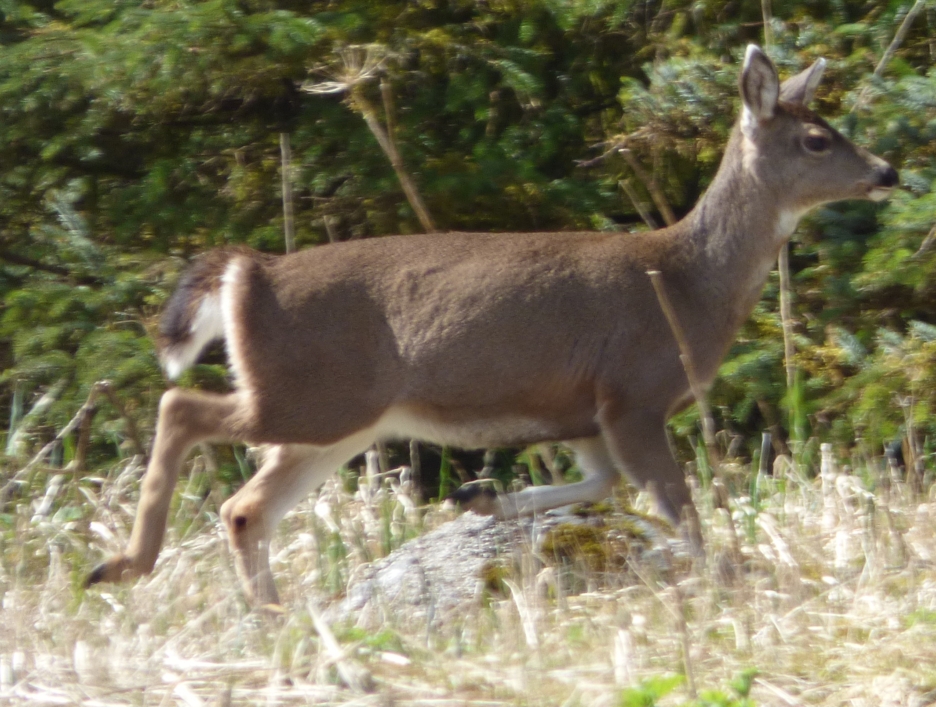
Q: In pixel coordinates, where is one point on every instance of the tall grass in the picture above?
(833, 601)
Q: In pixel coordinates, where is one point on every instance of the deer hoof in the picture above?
(111, 570)
(474, 497)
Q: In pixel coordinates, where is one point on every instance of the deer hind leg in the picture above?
(600, 478)
(185, 419)
(288, 473)
(638, 442)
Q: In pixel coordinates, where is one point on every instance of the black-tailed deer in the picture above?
(486, 340)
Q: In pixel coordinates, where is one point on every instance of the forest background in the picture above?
(136, 135)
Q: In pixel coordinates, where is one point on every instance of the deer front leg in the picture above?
(185, 419)
(637, 440)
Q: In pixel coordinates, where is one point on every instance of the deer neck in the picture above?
(728, 244)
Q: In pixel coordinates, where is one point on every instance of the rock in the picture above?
(433, 577)
(430, 576)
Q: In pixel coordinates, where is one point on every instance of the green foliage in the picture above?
(133, 136)
(385, 639)
(649, 692)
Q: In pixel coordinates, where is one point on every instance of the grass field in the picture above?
(819, 590)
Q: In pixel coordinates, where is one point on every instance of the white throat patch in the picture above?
(787, 221)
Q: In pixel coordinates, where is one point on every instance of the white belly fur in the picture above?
(399, 423)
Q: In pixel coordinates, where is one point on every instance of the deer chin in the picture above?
(880, 193)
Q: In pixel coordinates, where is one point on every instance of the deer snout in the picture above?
(882, 182)
(887, 176)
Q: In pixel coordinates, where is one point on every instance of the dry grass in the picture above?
(833, 602)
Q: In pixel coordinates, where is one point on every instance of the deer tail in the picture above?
(194, 316)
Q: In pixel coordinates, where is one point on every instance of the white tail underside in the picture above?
(207, 326)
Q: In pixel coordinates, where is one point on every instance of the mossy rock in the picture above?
(599, 544)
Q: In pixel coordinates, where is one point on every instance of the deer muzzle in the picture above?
(883, 180)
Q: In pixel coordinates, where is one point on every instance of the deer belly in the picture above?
(475, 430)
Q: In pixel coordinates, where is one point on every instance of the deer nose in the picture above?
(886, 176)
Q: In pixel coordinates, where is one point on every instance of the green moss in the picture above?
(578, 543)
(493, 574)
(597, 546)
(590, 510)
(631, 528)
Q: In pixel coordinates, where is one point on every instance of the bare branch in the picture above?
(659, 198)
(602, 157)
(685, 356)
(389, 147)
(79, 417)
(16, 259)
(330, 229)
(360, 64)
(386, 94)
(786, 314)
(926, 245)
(289, 221)
(891, 50)
(767, 14)
(638, 203)
(132, 431)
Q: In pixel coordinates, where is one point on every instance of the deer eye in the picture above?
(816, 142)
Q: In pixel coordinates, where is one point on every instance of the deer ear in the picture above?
(801, 88)
(760, 87)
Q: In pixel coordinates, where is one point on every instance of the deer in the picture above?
(480, 340)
